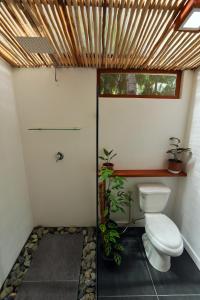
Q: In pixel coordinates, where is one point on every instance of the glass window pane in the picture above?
(138, 84)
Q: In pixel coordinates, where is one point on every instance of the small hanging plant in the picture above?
(116, 199)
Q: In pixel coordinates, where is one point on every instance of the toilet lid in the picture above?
(163, 231)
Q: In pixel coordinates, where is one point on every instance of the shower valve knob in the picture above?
(59, 156)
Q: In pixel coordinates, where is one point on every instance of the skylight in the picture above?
(192, 22)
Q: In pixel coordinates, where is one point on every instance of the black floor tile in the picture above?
(132, 281)
(48, 291)
(182, 278)
(180, 297)
(134, 232)
(57, 258)
(131, 278)
(130, 298)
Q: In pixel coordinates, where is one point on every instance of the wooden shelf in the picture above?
(147, 173)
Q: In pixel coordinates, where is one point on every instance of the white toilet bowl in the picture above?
(161, 240)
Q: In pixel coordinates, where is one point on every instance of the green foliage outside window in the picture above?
(146, 84)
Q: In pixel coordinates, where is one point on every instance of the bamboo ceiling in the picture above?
(98, 33)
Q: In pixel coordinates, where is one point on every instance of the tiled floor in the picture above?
(55, 269)
(135, 279)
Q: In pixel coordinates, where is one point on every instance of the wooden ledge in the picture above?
(147, 173)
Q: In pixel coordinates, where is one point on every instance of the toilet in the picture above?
(162, 239)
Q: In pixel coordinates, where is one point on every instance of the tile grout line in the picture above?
(146, 263)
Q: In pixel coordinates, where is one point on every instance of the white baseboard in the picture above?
(191, 252)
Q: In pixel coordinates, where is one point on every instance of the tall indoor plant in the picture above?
(115, 200)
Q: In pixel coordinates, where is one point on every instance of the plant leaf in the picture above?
(102, 228)
(119, 247)
(102, 157)
(106, 211)
(117, 258)
(105, 152)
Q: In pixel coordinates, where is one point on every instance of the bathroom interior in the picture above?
(100, 137)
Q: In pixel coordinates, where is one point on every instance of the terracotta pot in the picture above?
(108, 165)
(175, 166)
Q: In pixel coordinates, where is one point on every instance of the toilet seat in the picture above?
(163, 234)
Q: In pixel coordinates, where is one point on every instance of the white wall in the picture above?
(139, 129)
(15, 213)
(187, 210)
(62, 193)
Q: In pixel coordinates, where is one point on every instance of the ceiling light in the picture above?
(189, 18)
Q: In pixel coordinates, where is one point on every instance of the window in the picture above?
(114, 83)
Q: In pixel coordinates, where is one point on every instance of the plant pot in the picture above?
(108, 165)
(175, 166)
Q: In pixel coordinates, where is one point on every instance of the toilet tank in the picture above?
(153, 197)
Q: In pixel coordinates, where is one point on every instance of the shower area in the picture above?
(48, 176)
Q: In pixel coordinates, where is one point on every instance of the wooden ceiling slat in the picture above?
(155, 34)
(52, 30)
(124, 28)
(7, 34)
(63, 38)
(150, 27)
(7, 52)
(113, 32)
(131, 35)
(84, 20)
(47, 31)
(166, 48)
(118, 31)
(95, 31)
(179, 44)
(195, 62)
(5, 55)
(189, 56)
(79, 34)
(98, 33)
(62, 12)
(74, 30)
(143, 20)
(168, 27)
(130, 27)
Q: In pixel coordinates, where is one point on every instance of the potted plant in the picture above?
(116, 199)
(175, 164)
(107, 157)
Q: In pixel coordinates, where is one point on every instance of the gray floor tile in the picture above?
(131, 278)
(182, 278)
(58, 258)
(48, 291)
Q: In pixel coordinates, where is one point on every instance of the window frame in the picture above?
(177, 91)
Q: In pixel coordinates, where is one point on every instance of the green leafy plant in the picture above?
(107, 155)
(176, 151)
(116, 199)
